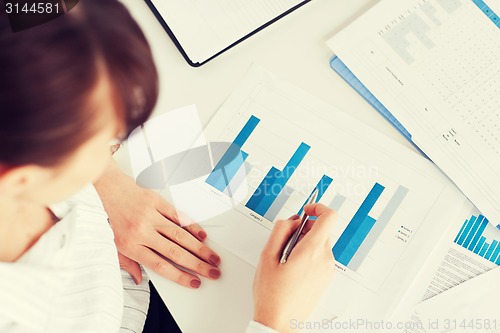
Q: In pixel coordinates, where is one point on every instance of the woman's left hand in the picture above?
(147, 230)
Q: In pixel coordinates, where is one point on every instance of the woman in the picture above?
(69, 90)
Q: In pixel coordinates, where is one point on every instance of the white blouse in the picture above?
(70, 280)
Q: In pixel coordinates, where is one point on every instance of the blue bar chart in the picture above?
(382, 222)
(337, 202)
(472, 237)
(233, 159)
(274, 182)
(357, 229)
(273, 192)
(388, 210)
(322, 186)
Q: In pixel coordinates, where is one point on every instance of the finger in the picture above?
(324, 224)
(183, 219)
(185, 259)
(170, 212)
(167, 210)
(166, 269)
(187, 241)
(131, 267)
(282, 231)
(330, 242)
(309, 224)
(197, 231)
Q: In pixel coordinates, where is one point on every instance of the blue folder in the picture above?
(344, 72)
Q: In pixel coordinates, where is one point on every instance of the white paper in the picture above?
(152, 142)
(435, 65)
(473, 303)
(454, 263)
(206, 27)
(356, 157)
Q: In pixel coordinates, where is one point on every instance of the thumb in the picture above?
(131, 267)
(282, 231)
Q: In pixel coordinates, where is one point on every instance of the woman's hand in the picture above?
(283, 292)
(147, 230)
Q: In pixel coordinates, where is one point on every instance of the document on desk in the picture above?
(471, 306)
(393, 205)
(204, 28)
(465, 253)
(435, 65)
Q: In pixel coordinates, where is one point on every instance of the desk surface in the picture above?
(294, 49)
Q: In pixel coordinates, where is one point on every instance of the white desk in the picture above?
(294, 49)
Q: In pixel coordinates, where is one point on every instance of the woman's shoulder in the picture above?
(86, 197)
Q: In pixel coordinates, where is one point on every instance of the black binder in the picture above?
(198, 62)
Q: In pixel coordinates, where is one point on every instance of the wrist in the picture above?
(258, 327)
(269, 319)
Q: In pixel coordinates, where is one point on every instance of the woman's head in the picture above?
(68, 86)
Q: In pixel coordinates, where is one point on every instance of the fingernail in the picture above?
(195, 283)
(214, 260)
(294, 217)
(214, 273)
(202, 234)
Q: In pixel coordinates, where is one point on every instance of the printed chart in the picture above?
(479, 236)
(405, 54)
(269, 172)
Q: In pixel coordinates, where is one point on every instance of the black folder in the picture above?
(170, 13)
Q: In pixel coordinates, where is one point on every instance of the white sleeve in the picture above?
(254, 327)
(135, 302)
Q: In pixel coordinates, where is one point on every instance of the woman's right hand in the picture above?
(290, 291)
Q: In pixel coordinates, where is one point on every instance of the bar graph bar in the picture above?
(496, 255)
(481, 222)
(337, 202)
(484, 248)
(471, 237)
(382, 222)
(274, 182)
(238, 179)
(357, 229)
(479, 245)
(492, 248)
(466, 229)
(322, 186)
(449, 5)
(469, 244)
(233, 158)
(280, 201)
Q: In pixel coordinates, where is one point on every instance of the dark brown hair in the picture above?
(48, 72)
